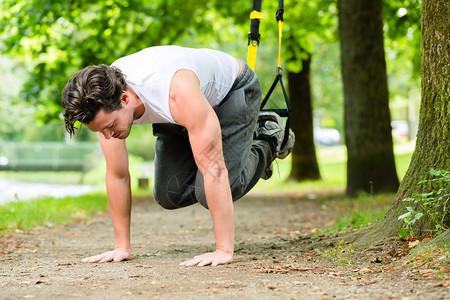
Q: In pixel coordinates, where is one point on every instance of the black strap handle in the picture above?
(253, 35)
(280, 11)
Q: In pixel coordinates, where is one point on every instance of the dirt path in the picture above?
(271, 262)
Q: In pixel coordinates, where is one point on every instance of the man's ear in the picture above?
(124, 98)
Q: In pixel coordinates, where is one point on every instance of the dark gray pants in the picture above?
(179, 183)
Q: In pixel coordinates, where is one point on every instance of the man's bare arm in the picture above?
(190, 109)
(119, 199)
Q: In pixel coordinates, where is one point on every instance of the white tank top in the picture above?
(149, 73)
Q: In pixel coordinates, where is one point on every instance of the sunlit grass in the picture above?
(356, 213)
(21, 215)
(341, 254)
(332, 164)
(43, 176)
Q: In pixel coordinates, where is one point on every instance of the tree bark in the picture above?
(433, 143)
(368, 136)
(304, 160)
(433, 138)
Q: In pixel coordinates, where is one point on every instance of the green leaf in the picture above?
(404, 216)
(403, 232)
(434, 172)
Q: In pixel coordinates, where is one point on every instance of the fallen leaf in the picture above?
(429, 273)
(389, 268)
(281, 269)
(405, 246)
(444, 269)
(319, 293)
(446, 283)
(413, 244)
(366, 270)
(400, 253)
(66, 264)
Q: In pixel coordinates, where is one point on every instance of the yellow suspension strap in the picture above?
(278, 79)
(254, 36)
(280, 21)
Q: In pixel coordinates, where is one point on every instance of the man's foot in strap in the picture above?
(287, 148)
(270, 128)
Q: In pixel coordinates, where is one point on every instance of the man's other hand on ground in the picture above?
(115, 255)
(215, 258)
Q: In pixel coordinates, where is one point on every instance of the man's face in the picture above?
(116, 124)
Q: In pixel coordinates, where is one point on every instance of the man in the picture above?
(204, 107)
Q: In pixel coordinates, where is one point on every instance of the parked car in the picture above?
(326, 136)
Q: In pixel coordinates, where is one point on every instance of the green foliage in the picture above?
(402, 20)
(326, 82)
(306, 21)
(402, 47)
(53, 40)
(56, 39)
(434, 205)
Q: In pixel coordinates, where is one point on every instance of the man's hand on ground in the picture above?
(215, 258)
(116, 255)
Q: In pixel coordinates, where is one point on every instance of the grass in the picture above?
(357, 213)
(22, 215)
(340, 254)
(47, 177)
(332, 165)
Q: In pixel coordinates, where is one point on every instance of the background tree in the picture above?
(304, 21)
(433, 145)
(370, 163)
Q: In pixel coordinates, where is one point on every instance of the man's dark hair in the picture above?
(89, 90)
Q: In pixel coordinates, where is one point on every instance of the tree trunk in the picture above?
(433, 138)
(368, 136)
(304, 160)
